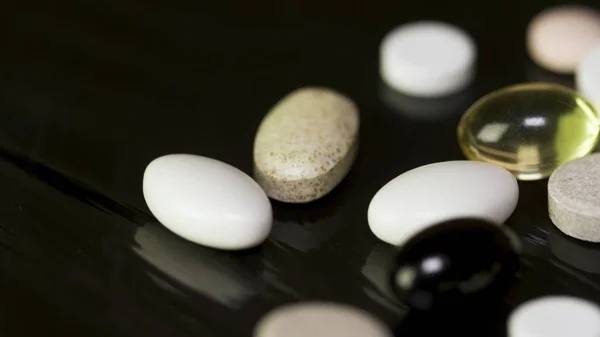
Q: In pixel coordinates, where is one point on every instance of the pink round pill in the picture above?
(559, 37)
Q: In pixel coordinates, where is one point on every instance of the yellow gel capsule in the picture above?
(529, 129)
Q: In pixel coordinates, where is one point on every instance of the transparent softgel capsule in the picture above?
(529, 129)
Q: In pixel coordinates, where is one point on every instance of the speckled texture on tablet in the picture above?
(574, 198)
(306, 144)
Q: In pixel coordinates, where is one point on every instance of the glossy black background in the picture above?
(91, 91)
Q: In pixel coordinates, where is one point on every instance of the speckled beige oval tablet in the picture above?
(306, 145)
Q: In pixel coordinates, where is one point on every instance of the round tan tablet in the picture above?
(558, 38)
(320, 319)
(574, 198)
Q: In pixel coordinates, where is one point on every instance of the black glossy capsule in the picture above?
(455, 264)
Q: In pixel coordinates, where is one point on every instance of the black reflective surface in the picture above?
(91, 92)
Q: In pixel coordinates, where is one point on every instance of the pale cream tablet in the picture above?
(320, 319)
(573, 198)
(558, 38)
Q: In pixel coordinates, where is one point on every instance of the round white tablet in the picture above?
(555, 316)
(320, 319)
(574, 198)
(559, 37)
(587, 77)
(427, 59)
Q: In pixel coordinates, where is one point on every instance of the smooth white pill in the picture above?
(320, 319)
(438, 192)
(555, 316)
(587, 77)
(207, 201)
(427, 59)
(558, 38)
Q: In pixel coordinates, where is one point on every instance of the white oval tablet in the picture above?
(587, 77)
(558, 38)
(207, 201)
(320, 319)
(555, 316)
(427, 59)
(438, 192)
